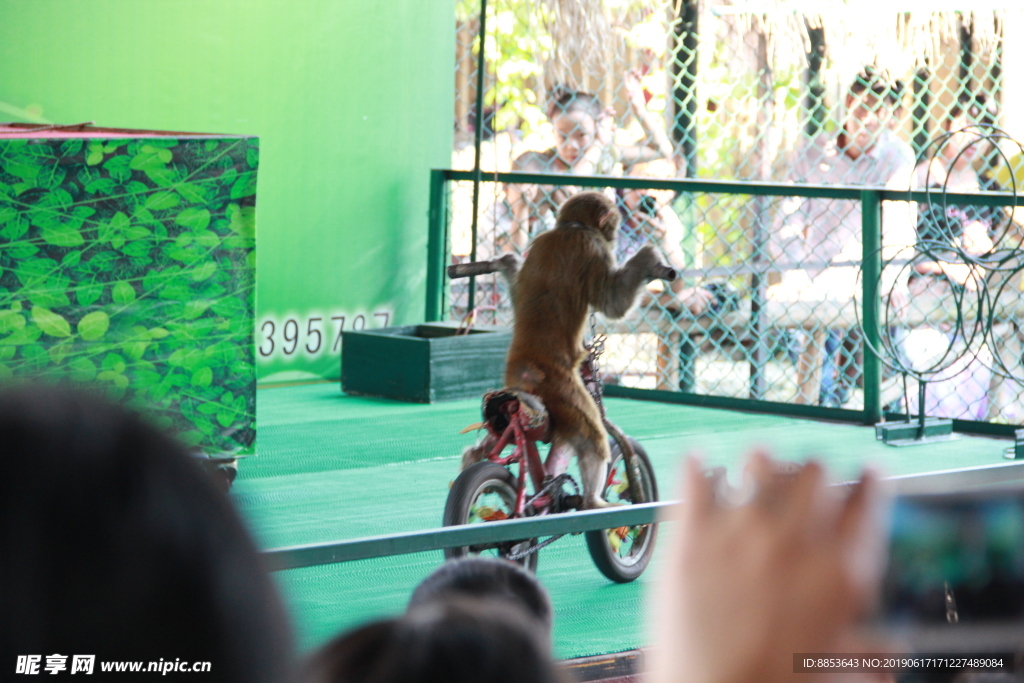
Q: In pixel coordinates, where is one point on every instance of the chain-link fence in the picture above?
(689, 89)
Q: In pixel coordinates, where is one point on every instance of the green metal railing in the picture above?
(427, 540)
(468, 534)
(870, 199)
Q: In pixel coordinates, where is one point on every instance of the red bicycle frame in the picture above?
(525, 438)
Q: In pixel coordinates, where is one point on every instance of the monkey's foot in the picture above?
(598, 504)
(473, 455)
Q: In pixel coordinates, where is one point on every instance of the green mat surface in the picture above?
(331, 467)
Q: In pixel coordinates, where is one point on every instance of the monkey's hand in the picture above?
(619, 292)
(650, 262)
(645, 259)
(509, 265)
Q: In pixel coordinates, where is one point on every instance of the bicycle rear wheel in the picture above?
(485, 492)
(623, 554)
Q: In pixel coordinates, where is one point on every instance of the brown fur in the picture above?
(569, 270)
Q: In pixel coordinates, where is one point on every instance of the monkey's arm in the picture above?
(657, 144)
(617, 291)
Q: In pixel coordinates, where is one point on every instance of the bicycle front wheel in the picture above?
(622, 554)
(485, 492)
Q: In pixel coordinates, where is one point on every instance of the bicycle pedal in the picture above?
(574, 501)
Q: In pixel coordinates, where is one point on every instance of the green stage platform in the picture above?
(332, 467)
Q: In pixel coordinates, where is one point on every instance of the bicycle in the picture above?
(489, 491)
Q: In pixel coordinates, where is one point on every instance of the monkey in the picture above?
(568, 270)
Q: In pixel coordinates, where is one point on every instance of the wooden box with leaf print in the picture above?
(127, 261)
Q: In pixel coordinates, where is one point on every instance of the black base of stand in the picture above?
(918, 431)
(1016, 451)
(933, 429)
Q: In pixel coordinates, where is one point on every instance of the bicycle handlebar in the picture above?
(474, 268)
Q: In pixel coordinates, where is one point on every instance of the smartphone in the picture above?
(955, 575)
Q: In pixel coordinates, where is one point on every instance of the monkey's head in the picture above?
(592, 209)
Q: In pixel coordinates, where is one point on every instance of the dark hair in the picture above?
(564, 100)
(936, 224)
(880, 83)
(456, 641)
(488, 131)
(486, 577)
(113, 542)
(977, 107)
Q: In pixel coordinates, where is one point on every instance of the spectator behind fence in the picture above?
(585, 134)
(460, 640)
(745, 587)
(586, 146)
(960, 160)
(114, 544)
(487, 578)
(648, 216)
(961, 389)
(813, 239)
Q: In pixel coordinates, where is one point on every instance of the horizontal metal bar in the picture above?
(315, 554)
(974, 427)
(640, 183)
(958, 479)
(745, 268)
(741, 404)
(954, 198)
(296, 557)
(746, 188)
(971, 427)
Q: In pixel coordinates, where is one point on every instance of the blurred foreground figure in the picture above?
(114, 543)
(749, 584)
(488, 578)
(455, 641)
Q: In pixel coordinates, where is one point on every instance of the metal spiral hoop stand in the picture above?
(920, 337)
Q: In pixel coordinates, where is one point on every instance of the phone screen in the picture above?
(956, 560)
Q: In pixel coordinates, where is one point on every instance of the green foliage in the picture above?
(128, 264)
(526, 37)
(517, 44)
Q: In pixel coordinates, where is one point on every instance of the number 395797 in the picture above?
(313, 335)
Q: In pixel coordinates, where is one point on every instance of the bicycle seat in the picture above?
(496, 410)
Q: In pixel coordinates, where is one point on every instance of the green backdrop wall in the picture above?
(351, 101)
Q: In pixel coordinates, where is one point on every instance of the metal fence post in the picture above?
(684, 84)
(437, 245)
(478, 132)
(814, 101)
(871, 244)
(921, 116)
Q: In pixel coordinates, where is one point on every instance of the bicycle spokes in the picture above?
(490, 506)
(617, 485)
(625, 541)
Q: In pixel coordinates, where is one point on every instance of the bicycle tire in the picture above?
(463, 505)
(606, 551)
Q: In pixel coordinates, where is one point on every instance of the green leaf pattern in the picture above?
(128, 263)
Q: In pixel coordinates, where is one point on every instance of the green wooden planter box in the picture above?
(423, 363)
